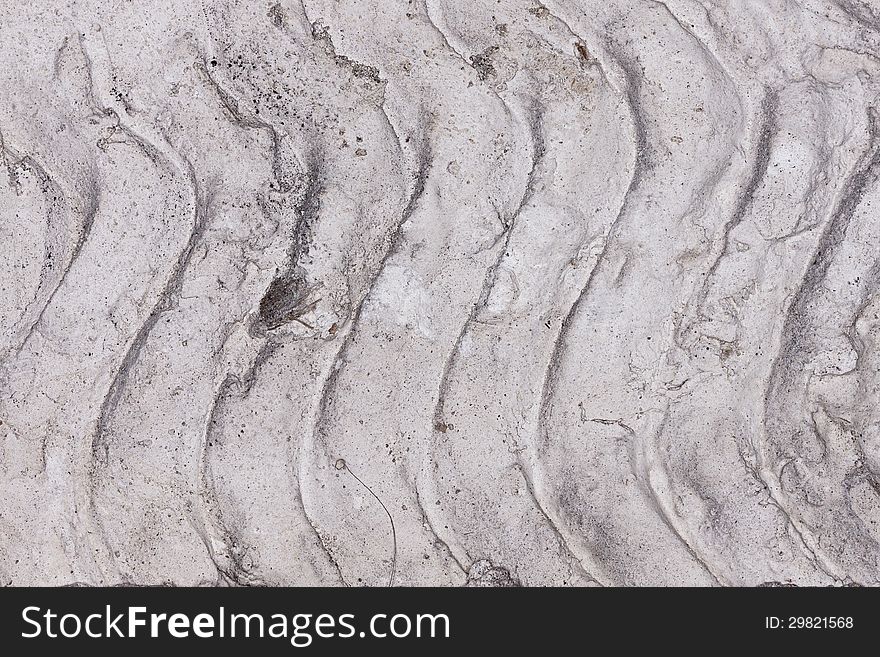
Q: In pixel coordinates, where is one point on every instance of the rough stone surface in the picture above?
(440, 292)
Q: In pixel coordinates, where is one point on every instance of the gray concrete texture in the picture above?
(436, 292)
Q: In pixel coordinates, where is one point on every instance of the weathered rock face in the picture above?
(440, 292)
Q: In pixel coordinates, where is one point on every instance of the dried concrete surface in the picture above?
(570, 292)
